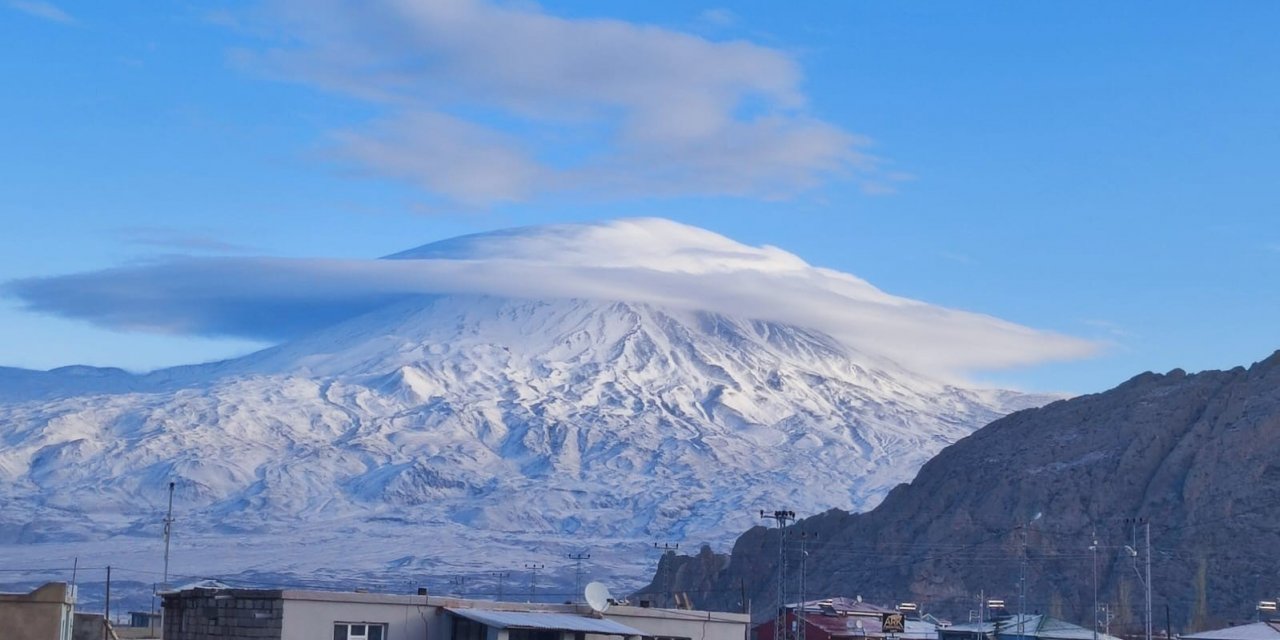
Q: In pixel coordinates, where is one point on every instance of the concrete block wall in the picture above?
(229, 614)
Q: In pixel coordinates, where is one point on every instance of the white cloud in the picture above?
(597, 105)
(446, 155)
(41, 9)
(653, 261)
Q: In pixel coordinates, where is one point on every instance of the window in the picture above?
(533, 634)
(359, 631)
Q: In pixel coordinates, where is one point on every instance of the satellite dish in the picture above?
(598, 597)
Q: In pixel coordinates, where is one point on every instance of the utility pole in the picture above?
(168, 529)
(804, 584)
(781, 517)
(577, 559)
(1147, 525)
(151, 620)
(501, 576)
(1146, 581)
(665, 566)
(1022, 583)
(1094, 548)
(106, 611)
(533, 580)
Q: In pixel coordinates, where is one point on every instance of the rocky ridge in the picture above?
(1195, 455)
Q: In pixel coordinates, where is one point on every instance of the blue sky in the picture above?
(1096, 169)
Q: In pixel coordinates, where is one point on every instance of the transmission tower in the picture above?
(577, 559)
(533, 579)
(501, 576)
(781, 518)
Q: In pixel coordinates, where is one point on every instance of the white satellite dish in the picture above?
(598, 597)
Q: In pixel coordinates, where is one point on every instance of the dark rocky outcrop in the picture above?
(1198, 455)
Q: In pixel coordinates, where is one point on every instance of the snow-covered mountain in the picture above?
(463, 433)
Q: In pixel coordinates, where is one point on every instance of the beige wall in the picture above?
(43, 614)
(678, 623)
(310, 614)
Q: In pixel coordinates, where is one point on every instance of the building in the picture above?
(841, 619)
(1266, 630)
(93, 626)
(1025, 627)
(205, 614)
(44, 614)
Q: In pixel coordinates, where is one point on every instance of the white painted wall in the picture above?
(310, 615)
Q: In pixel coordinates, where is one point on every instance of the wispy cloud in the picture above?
(649, 261)
(486, 103)
(719, 17)
(39, 9)
(174, 239)
(1111, 328)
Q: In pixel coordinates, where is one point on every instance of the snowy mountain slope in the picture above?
(583, 420)
(495, 427)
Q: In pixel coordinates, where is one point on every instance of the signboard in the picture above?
(893, 623)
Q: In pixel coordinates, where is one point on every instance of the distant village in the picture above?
(209, 610)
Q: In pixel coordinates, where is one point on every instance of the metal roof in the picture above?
(1034, 626)
(546, 620)
(1255, 631)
